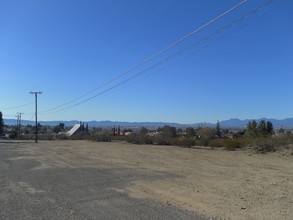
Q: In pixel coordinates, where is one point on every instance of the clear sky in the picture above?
(69, 48)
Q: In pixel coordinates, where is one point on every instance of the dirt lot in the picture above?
(216, 184)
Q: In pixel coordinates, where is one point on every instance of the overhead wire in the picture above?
(174, 54)
(19, 106)
(151, 57)
(235, 21)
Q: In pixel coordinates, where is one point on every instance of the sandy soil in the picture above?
(216, 184)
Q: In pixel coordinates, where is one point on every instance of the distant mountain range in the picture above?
(231, 123)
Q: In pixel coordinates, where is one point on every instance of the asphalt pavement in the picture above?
(72, 193)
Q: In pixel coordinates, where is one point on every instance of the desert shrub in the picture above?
(102, 137)
(139, 139)
(161, 140)
(202, 142)
(231, 144)
(265, 148)
(228, 144)
(48, 137)
(266, 144)
(62, 137)
(148, 140)
(134, 139)
(215, 143)
(183, 142)
(13, 134)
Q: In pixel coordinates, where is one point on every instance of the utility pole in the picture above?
(36, 102)
(18, 122)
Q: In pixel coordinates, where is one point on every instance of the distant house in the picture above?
(127, 133)
(74, 130)
(78, 130)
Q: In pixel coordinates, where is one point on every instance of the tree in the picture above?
(190, 131)
(143, 131)
(270, 128)
(167, 134)
(205, 132)
(1, 123)
(56, 129)
(226, 131)
(168, 131)
(118, 131)
(251, 128)
(262, 128)
(218, 128)
(61, 126)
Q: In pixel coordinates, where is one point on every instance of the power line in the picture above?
(19, 106)
(173, 55)
(153, 56)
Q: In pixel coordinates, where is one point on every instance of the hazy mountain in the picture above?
(277, 123)
(231, 123)
(235, 122)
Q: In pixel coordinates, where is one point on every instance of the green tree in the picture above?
(56, 129)
(218, 128)
(61, 126)
(270, 128)
(226, 131)
(205, 132)
(190, 131)
(262, 128)
(143, 131)
(1, 123)
(168, 133)
(251, 128)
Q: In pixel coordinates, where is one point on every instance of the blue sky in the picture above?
(67, 48)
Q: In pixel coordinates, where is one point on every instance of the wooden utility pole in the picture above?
(18, 123)
(36, 110)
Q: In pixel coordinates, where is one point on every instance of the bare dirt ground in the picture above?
(215, 184)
